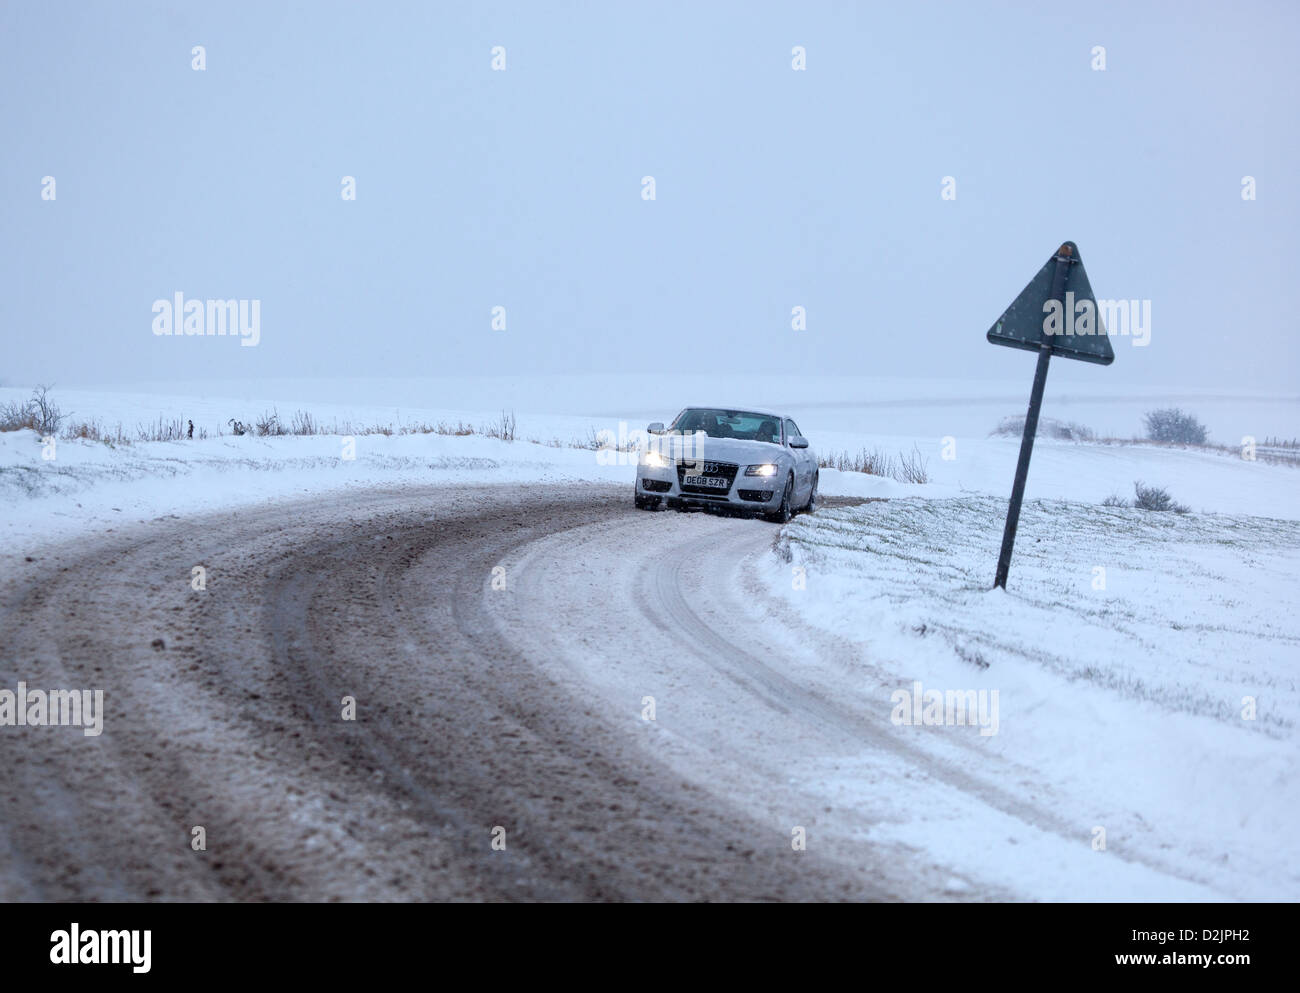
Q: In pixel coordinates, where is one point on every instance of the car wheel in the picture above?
(811, 505)
(785, 511)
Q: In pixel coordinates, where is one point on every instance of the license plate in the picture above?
(713, 481)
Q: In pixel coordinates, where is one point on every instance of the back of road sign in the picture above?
(1023, 324)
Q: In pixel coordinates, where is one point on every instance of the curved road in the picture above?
(502, 647)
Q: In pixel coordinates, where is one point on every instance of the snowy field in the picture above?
(88, 485)
(1145, 667)
(839, 410)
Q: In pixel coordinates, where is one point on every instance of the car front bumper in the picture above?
(744, 492)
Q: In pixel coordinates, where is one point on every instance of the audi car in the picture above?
(716, 457)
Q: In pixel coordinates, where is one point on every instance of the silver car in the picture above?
(738, 459)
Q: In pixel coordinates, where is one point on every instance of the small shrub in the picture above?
(94, 431)
(1048, 427)
(38, 412)
(48, 416)
(606, 440)
(912, 468)
(15, 416)
(1155, 498)
(304, 423)
(1114, 500)
(269, 425)
(874, 463)
(161, 430)
(503, 429)
(1170, 424)
(907, 468)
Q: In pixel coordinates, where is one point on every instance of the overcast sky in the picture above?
(522, 188)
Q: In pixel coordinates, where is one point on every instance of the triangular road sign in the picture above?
(1072, 323)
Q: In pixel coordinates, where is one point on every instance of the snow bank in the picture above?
(1145, 665)
(89, 486)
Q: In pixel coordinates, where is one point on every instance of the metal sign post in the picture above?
(1061, 290)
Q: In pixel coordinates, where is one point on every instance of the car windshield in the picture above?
(742, 424)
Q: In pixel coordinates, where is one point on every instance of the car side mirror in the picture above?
(798, 441)
(656, 427)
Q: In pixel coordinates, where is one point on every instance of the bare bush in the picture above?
(94, 431)
(16, 415)
(161, 430)
(1114, 500)
(912, 468)
(268, 425)
(906, 468)
(457, 430)
(38, 412)
(48, 416)
(504, 428)
(304, 423)
(1170, 424)
(875, 462)
(1155, 498)
(606, 440)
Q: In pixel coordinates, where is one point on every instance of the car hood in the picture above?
(722, 450)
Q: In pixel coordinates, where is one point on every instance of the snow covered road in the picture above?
(621, 699)
(224, 711)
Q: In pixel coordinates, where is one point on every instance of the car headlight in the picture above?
(761, 470)
(655, 460)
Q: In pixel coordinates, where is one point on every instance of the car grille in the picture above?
(656, 485)
(705, 467)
